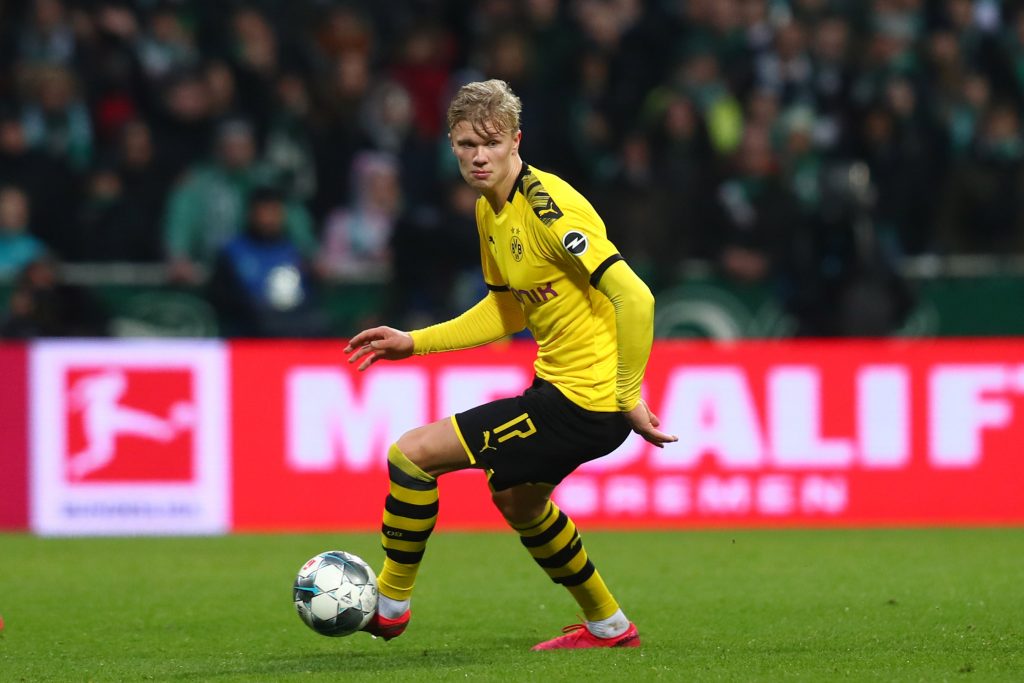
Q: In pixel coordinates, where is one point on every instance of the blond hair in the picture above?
(487, 105)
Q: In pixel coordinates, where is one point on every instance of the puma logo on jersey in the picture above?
(575, 242)
(543, 205)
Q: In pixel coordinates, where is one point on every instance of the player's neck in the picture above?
(498, 196)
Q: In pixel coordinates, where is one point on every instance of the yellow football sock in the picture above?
(555, 545)
(410, 512)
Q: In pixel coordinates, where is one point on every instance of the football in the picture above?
(335, 593)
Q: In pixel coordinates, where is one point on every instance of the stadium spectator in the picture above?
(221, 89)
(182, 120)
(18, 247)
(288, 143)
(357, 237)
(56, 119)
(208, 207)
(752, 210)
(425, 289)
(49, 183)
(117, 220)
(388, 124)
(260, 285)
(340, 94)
(984, 208)
(44, 306)
(682, 161)
(166, 44)
(146, 179)
(47, 37)
(925, 92)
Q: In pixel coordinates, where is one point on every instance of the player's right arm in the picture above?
(497, 315)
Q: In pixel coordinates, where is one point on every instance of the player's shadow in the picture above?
(347, 663)
(350, 662)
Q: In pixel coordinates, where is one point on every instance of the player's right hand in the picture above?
(379, 343)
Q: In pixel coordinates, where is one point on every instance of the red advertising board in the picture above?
(310, 434)
(771, 434)
(14, 443)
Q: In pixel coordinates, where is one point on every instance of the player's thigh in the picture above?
(523, 503)
(435, 448)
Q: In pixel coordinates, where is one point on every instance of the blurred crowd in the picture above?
(260, 148)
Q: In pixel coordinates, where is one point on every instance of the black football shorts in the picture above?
(538, 437)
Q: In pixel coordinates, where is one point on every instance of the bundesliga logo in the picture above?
(129, 424)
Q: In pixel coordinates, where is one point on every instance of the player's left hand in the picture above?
(645, 423)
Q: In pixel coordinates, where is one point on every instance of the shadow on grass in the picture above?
(344, 663)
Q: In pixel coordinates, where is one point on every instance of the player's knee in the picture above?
(414, 446)
(515, 508)
(429, 449)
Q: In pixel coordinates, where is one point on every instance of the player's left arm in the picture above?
(634, 328)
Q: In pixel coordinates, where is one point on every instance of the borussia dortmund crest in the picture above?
(517, 248)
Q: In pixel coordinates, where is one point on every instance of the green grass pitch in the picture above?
(882, 605)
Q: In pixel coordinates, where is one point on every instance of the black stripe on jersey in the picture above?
(496, 288)
(541, 202)
(518, 184)
(599, 271)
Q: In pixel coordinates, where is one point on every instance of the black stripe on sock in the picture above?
(407, 481)
(548, 511)
(577, 578)
(408, 510)
(563, 556)
(403, 556)
(548, 534)
(404, 534)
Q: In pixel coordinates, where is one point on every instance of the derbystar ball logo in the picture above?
(129, 424)
(575, 242)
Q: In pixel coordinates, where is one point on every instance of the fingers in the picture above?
(360, 352)
(374, 357)
(652, 435)
(656, 437)
(370, 352)
(362, 338)
(650, 414)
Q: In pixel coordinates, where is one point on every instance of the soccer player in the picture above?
(549, 267)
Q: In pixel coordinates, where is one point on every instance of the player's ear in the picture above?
(517, 137)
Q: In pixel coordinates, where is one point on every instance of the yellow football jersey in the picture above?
(549, 247)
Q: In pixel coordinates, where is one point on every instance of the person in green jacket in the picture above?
(207, 208)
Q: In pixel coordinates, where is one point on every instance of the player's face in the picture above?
(488, 159)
